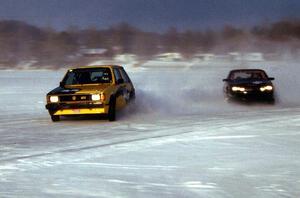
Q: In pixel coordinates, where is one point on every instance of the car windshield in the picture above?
(246, 75)
(88, 76)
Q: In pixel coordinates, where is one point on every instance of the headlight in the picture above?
(53, 98)
(242, 89)
(266, 88)
(95, 97)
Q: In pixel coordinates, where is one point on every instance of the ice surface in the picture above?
(179, 139)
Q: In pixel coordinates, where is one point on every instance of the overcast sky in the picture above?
(149, 15)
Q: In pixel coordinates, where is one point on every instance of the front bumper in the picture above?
(254, 95)
(80, 111)
(76, 109)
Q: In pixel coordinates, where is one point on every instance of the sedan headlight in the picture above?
(266, 88)
(242, 89)
(96, 97)
(53, 99)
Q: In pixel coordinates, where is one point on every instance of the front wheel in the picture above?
(112, 110)
(55, 118)
(271, 100)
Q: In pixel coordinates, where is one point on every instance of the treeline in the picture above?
(21, 42)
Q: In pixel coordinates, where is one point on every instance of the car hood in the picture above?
(251, 82)
(79, 89)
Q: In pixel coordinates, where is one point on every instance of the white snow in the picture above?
(179, 139)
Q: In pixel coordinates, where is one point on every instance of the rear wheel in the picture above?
(132, 95)
(112, 110)
(55, 118)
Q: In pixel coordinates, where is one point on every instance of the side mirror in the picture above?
(61, 84)
(225, 80)
(271, 78)
(120, 81)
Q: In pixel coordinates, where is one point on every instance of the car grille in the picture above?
(74, 98)
(79, 106)
(251, 89)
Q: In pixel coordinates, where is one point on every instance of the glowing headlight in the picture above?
(238, 89)
(53, 98)
(95, 97)
(266, 88)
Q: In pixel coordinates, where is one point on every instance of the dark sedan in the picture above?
(249, 84)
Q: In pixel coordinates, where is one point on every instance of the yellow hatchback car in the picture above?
(100, 89)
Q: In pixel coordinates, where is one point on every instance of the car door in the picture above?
(130, 92)
(121, 90)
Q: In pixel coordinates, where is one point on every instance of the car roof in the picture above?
(245, 70)
(97, 66)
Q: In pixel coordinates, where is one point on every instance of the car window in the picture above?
(117, 74)
(247, 75)
(101, 76)
(124, 75)
(88, 76)
(70, 78)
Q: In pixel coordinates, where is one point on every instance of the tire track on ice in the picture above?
(181, 128)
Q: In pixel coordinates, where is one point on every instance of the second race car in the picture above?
(249, 84)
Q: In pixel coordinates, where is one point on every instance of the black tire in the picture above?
(132, 95)
(55, 118)
(271, 100)
(112, 110)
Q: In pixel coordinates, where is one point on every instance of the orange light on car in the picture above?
(102, 97)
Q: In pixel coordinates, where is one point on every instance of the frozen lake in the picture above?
(180, 139)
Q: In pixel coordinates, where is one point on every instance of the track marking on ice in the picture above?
(8, 168)
(228, 137)
(199, 184)
(272, 188)
(190, 184)
(156, 139)
(127, 166)
(158, 184)
(220, 169)
(185, 132)
(120, 181)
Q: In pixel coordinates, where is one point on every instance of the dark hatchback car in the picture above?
(249, 84)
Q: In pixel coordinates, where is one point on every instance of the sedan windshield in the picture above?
(246, 75)
(88, 76)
